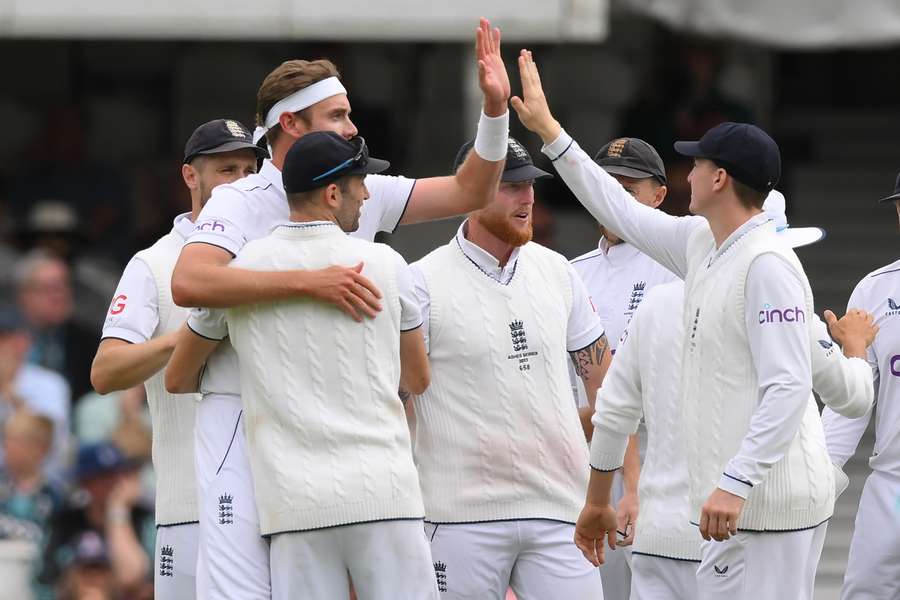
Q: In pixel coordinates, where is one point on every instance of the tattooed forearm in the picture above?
(404, 396)
(588, 358)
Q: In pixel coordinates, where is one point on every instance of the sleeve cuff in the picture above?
(215, 240)
(123, 334)
(210, 333)
(587, 338)
(734, 485)
(555, 149)
(607, 449)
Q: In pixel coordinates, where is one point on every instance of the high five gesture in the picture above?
(492, 76)
(532, 108)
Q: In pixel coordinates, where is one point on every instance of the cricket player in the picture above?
(336, 486)
(138, 338)
(754, 436)
(617, 276)
(644, 381)
(501, 454)
(875, 550)
(296, 98)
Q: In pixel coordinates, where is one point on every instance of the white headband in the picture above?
(299, 100)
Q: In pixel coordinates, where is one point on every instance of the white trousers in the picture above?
(616, 570)
(387, 560)
(537, 558)
(873, 570)
(175, 564)
(658, 578)
(761, 566)
(233, 559)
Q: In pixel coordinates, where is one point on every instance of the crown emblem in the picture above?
(616, 147)
(235, 129)
(516, 325)
(167, 551)
(440, 567)
(639, 286)
(225, 499)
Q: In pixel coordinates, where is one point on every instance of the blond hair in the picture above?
(37, 428)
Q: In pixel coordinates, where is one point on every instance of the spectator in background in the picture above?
(108, 505)
(45, 299)
(40, 390)
(88, 573)
(28, 500)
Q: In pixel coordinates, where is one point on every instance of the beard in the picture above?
(500, 227)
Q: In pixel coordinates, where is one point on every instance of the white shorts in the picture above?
(233, 557)
(761, 566)
(537, 558)
(616, 570)
(175, 564)
(387, 560)
(873, 570)
(656, 577)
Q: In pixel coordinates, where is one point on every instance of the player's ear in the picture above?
(190, 176)
(333, 198)
(293, 125)
(659, 195)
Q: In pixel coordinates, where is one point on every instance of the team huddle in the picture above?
(329, 420)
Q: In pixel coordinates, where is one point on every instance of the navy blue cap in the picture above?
(221, 135)
(100, 458)
(745, 151)
(518, 166)
(896, 194)
(322, 157)
(631, 157)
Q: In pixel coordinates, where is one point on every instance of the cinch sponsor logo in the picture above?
(895, 365)
(781, 315)
(210, 226)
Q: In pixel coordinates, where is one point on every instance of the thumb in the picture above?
(517, 104)
(830, 318)
(359, 267)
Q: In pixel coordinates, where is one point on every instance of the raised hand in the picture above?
(492, 76)
(532, 108)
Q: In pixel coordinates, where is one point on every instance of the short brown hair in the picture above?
(748, 197)
(37, 428)
(289, 77)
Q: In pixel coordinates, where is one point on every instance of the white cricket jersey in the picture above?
(249, 209)
(583, 328)
(780, 353)
(617, 279)
(879, 294)
(134, 312)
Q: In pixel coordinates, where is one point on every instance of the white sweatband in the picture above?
(299, 100)
(492, 136)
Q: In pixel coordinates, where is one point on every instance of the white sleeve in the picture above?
(224, 220)
(209, 323)
(842, 435)
(780, 351)
(389, 195)
(619, 401)
(424, 298)
(843, 384)
(584, 327)
(661, 236)
(134, 311)
(410, 314)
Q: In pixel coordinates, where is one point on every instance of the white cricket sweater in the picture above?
(646, 379)
(497, 433)
(721, 390)
(326, 431)
(172, 415)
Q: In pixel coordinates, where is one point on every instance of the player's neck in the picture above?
(725, 220)
(312, 213)
(487, 241)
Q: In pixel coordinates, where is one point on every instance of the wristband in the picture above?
(492, 136)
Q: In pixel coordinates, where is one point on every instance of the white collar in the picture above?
(272, 174)
(749, 225)
(183, 224)
(621, 252)
(486, 261)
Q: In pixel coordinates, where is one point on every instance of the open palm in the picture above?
(492, 76)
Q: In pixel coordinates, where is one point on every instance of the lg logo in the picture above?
(118, 304)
